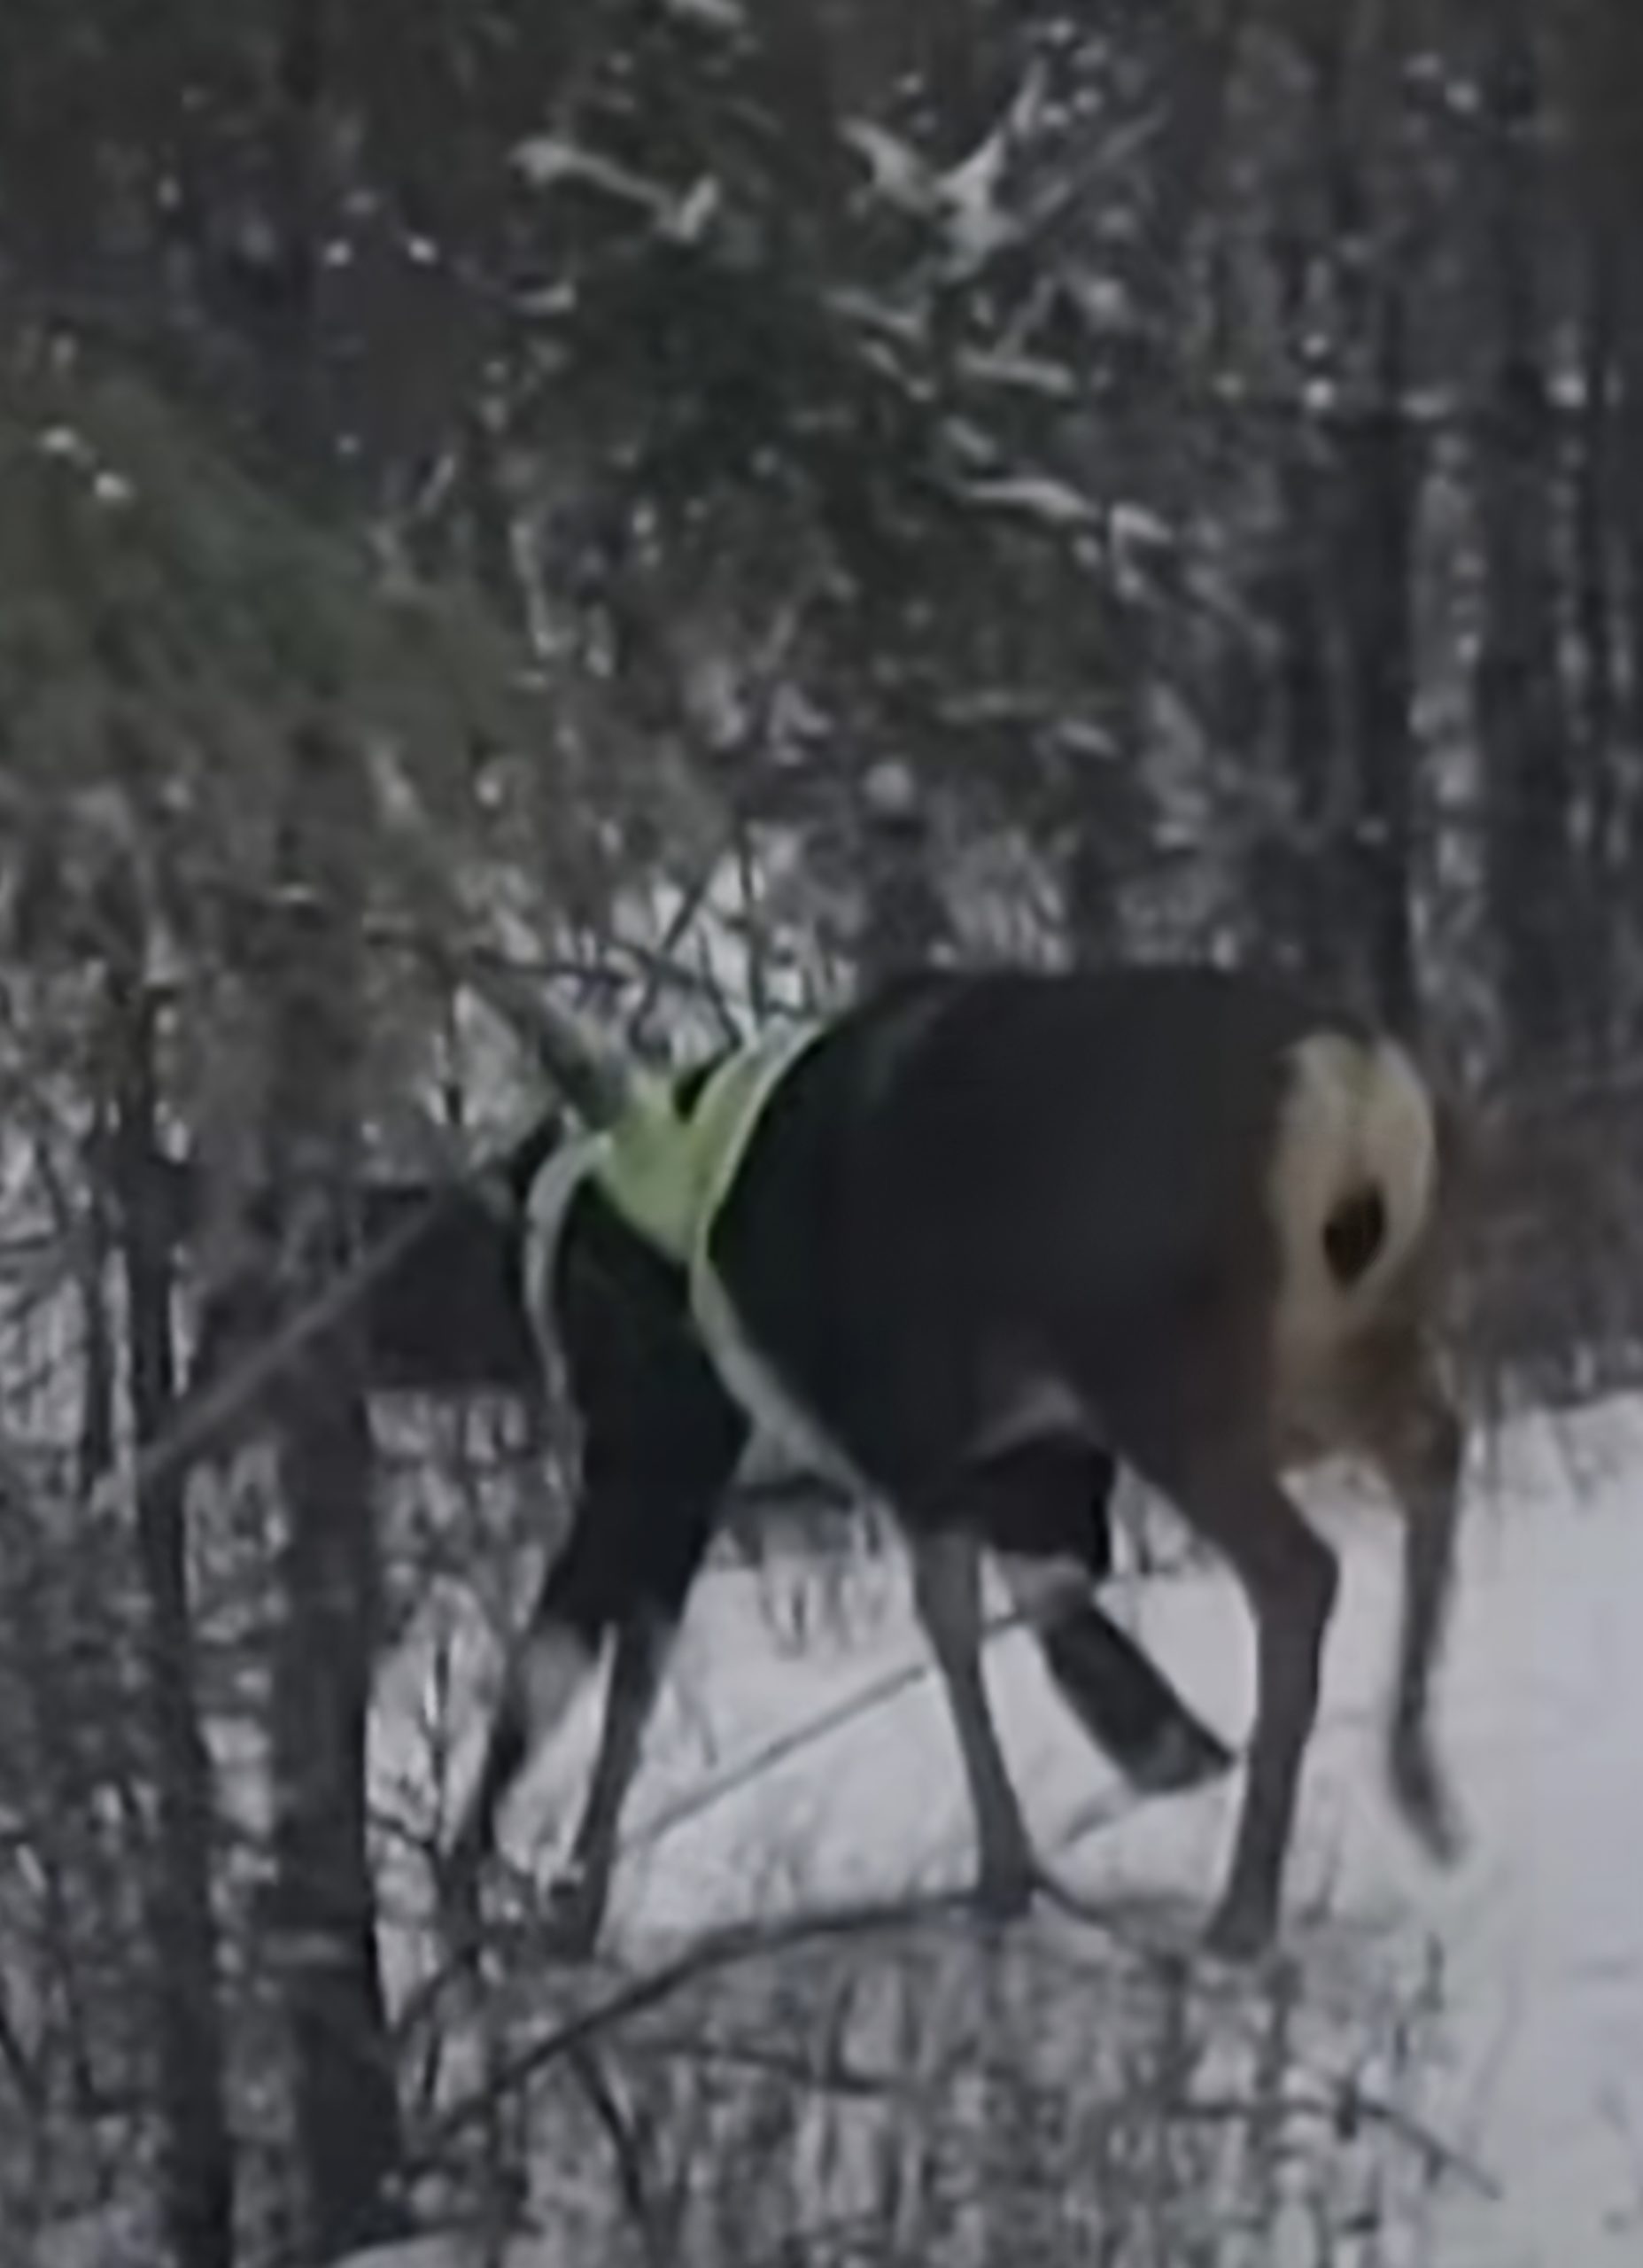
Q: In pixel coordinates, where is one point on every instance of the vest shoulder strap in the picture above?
(669, 1171)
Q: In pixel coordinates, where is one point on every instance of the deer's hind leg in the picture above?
(1043, 1509)
(1210, 1452)
(1407, 1425)
(947, 1592)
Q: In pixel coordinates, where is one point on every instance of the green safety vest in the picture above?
(668, 1172)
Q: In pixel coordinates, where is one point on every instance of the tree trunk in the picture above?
(1372, 473)
(1627, 822)
(1602, 54)
(1530, 877)
(99, 1384)
(1373, 588)
(198, 2156)
(1592, 475)
(903, 917)
(1290, 884)
(1147, 422)
(345, 2103)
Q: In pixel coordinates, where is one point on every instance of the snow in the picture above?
(711, 15)
(1031, 374)
(439, 2252)
(547, 160)
(1053, 503)
(971, 195)
(897, 171)
(64, 444)
(1539, 1931)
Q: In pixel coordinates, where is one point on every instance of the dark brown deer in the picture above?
(986, 1233)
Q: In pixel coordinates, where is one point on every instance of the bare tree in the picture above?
(197, 2149)
(1521, 721)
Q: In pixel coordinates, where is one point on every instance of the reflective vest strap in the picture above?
(667, 1172)
(729, 1113)
(646, 1168)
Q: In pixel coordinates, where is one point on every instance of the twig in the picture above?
(626, 2148)
(705, 1795)
(857, 1705)
(213, 1411)
(731, 1946)
(657, 962)
(15, 2060)
(1440, 2156)
(831, 2074)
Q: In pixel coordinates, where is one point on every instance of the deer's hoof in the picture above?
(458, 1910)
(1004, 1890)
(1241, 1929)
(1420, 1792)
(1185, 1755)
(573, 1913)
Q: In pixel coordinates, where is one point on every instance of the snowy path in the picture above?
(1541, 1930)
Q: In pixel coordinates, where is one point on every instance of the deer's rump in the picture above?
(981, 1203)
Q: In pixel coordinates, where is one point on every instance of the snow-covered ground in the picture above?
(1540, 1931)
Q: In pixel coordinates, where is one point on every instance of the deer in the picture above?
(973, 1243)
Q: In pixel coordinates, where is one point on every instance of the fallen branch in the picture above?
(734, 1946)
